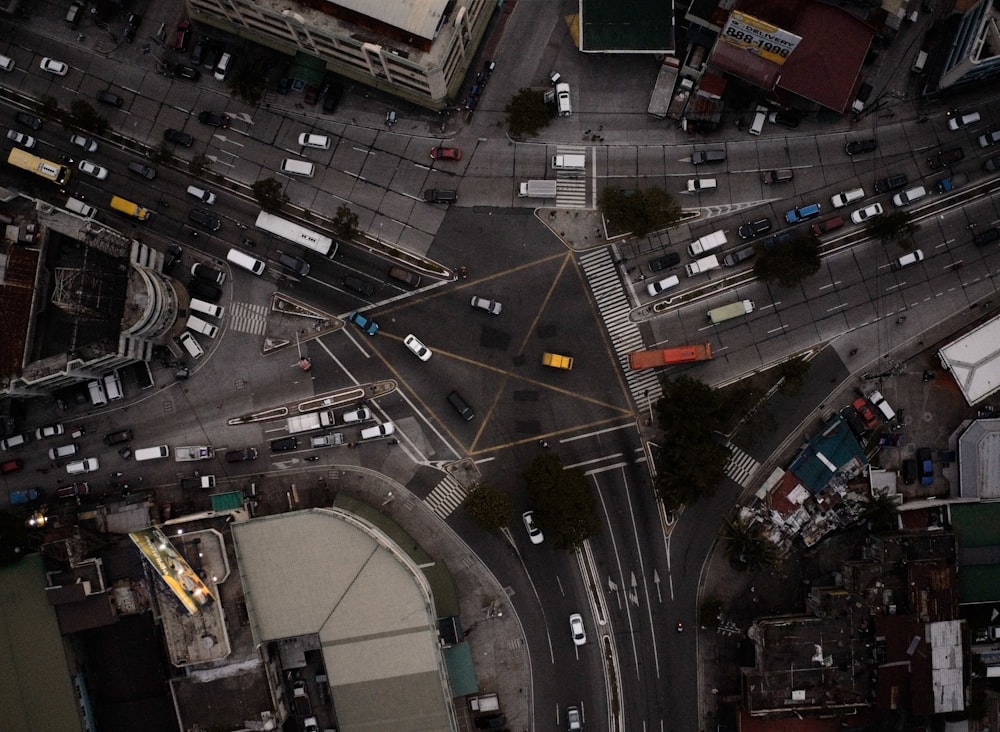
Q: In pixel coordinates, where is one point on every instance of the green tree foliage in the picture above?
(794, 373)
(788, 262)
(270, 194)
(747, 549)
(881, 513)
(83, 115)
(638, 212)
(565, 507)
(247, 80)
(162, 153)
(894, 226)
(198, 164)
(527, 113)
(488, 507)
(50, 108)
(345, 223)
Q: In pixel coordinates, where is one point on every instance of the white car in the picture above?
(87, 465)
(19, 138)
(361, 414)
(51, 430)
(490, 306)
(53, 67)
(320, 142)
(93, 169)
(534, 533)
(419, 349)
(576, 629)
(963, 120)
(702, 184)
(85, 142)
(868, 212)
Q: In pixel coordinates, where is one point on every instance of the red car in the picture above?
(864, 411)
(446, 153)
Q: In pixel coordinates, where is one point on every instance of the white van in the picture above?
(113, 386)
(878, 401)
(77, 206)
(152, 453)
(298, 167)
(210, 309)
(240, 259)
(759, 118)
(97, 396)
(917, 255)
(87, 465)
(380, 430)
(202, 194)
(200, 326)
(6, 63)
(191, 345)
(320, 142)
(846, 197)
(563, 104)
(909, 196)
(222, 68)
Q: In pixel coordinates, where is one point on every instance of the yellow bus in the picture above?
(39, 166)
(129, 208)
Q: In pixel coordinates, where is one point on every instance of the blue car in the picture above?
(801, 214)
(366, 324)
(28, 495)
(926, 466)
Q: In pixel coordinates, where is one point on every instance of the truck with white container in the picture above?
(569, 162)
(707, 243)
(186, 453)
(311, 421)
(537, 189)
(700, 266)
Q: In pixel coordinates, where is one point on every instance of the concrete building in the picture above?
(969, 51)
(419, 50)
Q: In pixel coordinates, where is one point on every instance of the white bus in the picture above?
(296, 234)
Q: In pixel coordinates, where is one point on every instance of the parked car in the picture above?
(856, 147)
(106, 96)
(865, 411)
(925, 465)
(909, 470)
(27, 495)
(49, 430)
(331, 97)
(787, 118)
(51, 66)
(204, 290)
(132, 23)
(671, 259)
(185, 72)
(358, 285)
(989, 139)
(738, 256)
(178, 138)
(891, 183)
(209, 274)
(182, 36)
(74, 490)
(826, 225)
(19, 138)
(958, 121)
(446, 153)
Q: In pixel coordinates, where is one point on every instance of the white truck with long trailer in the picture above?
(537, 189)
(186, 453)
(311, 421)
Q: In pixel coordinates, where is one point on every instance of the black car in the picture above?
(108, 97)
(172, 257)
(753, 229)
(243, 454)
(214, 119)
(359, 286)
(29, 120)
(992, 164)
(178, 138)
(856, 147)
(284, 444)
(118, 438)
(987, 236)
(782, 237)
(787, 119)
(198, 52)
(909, 471)
(202, 271)
(204, 290)
(186, 72)
(141, 169)
(491, 721)
(883, 185)
(331, 97)
(284, 84)
(665, 262)
(204, 219)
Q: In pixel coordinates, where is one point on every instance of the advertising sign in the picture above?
(766, 40)
(173, 568)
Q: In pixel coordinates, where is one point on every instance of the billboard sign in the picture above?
(183, 581)
(766, 40)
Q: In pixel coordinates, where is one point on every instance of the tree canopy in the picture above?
(345, 223)
(894, 226)
(789, 261)
(638, 211)
(527, 113)
(270, 194)
(565, 507)
(488, 507)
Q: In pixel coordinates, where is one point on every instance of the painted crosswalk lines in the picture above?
(248, 317)
(446, 496)
(741, 466)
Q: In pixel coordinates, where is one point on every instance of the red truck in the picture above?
(669, 356)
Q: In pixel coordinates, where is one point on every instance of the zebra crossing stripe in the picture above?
(741, 466)
(248, 318)
(446, 497)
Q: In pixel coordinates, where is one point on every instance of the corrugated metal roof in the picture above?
(420, 17)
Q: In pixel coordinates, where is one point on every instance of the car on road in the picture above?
(142, 170)
(185, 72)
(214, 119)
(85, 142)
(534, 533)
(672, 259)
(380, 430)
(93, 169)
(49, 430)
(490, 306)
(753, 229)
(925, 465)
(446, 153)
(361, 414)
(802, 213)
(944, 158)
(989, 139)
(577, 630)
(992, 164)
(695, 185)
(573, 719)
(359, 285)
(865, 411)
(868, 212)
(856, 147)
(178, 138)
(27, 495)
(830, 224)
(738, 256)
(782, 175)
(368, 325)
(87, 465)
(284, 444)
(891, 183)
(845, 197)
(959, 121)
(29, 120)
(209, 274)
(118, 437)
(417, 348)
(51, 66)
(701, 157)
(204, 219)
(19, 138)
(105, 96)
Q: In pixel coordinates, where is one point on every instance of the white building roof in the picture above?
(974, 361)
(420, 17)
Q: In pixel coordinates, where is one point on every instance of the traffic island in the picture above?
(285, 326)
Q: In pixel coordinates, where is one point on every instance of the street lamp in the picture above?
(649, 403)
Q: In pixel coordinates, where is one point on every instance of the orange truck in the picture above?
(670, 356)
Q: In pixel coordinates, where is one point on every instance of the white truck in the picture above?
(193, 452)
(200, 482)
(702, 265)
(537, 189)
(707, 243)
(332, 440)
(310, 421)
(569, 162)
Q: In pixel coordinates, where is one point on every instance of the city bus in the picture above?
(39, 166)
(296, 234)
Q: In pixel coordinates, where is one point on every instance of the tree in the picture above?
(345, 223)
(794, 373)
(162, 153)
(198, 164)
(247, 80)
(527, 113)
(638, 211)
(269, 194)
(895, 226)
(788, 262)
(488, 507)
(565, 508)
(881, 513)
(50, 108)
(747, 549)
(83, 115)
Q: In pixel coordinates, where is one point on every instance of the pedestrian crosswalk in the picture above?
(446, 497)
(741, 467)
(248, 317)
(571, 185)
(605, 282)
